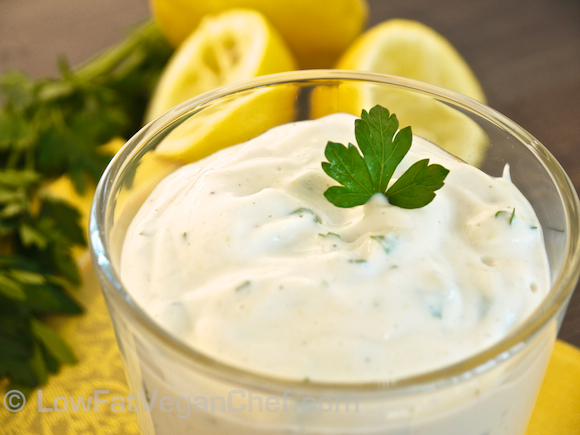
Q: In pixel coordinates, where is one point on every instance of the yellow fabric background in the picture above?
(100, 368)
(557, 410)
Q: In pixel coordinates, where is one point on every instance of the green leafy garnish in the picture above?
(383, 149)
(512, 215)
(52, 127)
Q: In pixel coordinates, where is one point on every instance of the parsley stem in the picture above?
(108, 61)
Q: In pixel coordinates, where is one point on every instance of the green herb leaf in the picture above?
(38, 365)
(512, 215)
(52, 127)
(52, 342)
(417, 186)
(19, 373)
(11, 288)
(16, 340)
(49, 298)
(348, 168)
(30, 236)
(383, 149)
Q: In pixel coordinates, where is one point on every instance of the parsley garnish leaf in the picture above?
(383, 151)
(347, 167)
(383, 148)
(417, 186)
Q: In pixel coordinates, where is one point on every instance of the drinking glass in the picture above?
(180, 390)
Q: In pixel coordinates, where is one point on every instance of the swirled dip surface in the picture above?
(242, 257)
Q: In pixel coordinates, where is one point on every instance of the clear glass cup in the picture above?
(178, 390)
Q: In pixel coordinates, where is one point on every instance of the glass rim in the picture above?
(562, 285)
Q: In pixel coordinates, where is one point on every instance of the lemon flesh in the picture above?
(229, 121)
(413, 50)
(317, 31)
(226, 48)
(230, 47)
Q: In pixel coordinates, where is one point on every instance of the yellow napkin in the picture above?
(100, 368)
(557, 410)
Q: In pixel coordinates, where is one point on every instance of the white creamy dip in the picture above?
(241, 256)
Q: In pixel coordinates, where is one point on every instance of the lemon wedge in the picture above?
(235, 45)
(230, 47)
(413, 50)
(228, 122)
(317, 32)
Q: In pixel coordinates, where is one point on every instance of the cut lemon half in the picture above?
(413, 50)
(236, 45)
(316, 31)
(229, 121)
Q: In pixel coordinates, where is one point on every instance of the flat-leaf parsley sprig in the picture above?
(53, 127)
(383, 149)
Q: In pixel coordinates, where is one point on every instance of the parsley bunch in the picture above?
(383, 149)
(48, 128)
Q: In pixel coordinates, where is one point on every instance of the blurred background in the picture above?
(526, 54)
